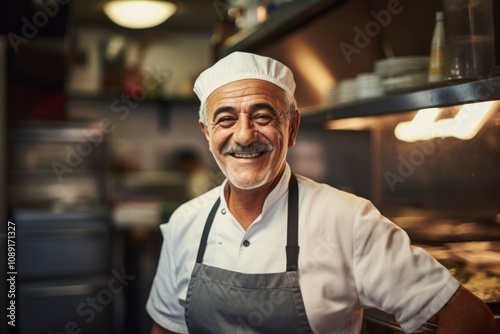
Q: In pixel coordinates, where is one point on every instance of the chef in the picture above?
(269, 251)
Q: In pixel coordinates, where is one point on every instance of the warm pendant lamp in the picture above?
(139, 14)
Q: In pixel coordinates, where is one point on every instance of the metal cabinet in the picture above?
(57, 200)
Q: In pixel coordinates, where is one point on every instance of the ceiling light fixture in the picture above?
(139, 14)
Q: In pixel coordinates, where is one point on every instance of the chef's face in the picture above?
(249, 131)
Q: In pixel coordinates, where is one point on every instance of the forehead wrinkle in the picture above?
(248, 99)
(247, 87)
(248, 107)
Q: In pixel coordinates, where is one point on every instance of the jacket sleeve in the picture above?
(395, 277)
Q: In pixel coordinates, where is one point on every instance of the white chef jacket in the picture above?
(351, 257)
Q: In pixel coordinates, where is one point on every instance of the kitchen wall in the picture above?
(160, 114)
(445, 177)
(149, 133)
(179, 56)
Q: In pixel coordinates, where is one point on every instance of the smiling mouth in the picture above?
(247, 155)
(252, 151)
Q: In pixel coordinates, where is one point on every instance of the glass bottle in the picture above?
(469, 36)
(437, 67)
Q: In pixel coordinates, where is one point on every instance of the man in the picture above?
(271, 252)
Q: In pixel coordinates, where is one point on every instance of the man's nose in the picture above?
(245, 132)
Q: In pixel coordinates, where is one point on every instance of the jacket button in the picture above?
(246, 243)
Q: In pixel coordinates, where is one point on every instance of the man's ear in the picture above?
(204, 129)
(294, 128)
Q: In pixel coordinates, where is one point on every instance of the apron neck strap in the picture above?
(292, 244)
(206, 230)
(292, 247)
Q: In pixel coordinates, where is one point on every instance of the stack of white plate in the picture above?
(332, 96)
(403, 73)
(369, 85)
(348, 90)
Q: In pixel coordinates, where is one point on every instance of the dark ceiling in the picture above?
(191, 16)
(28, 17)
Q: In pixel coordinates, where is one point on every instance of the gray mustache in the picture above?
(253, 147)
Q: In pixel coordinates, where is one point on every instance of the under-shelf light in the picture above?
(427, 125)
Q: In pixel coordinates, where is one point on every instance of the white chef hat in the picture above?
(243, 65)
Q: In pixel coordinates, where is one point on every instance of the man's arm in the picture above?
(464, 313)
(157, 329)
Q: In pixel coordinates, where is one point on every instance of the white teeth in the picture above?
(246, 155)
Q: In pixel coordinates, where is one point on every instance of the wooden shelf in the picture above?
(109, 97)
(456, 94)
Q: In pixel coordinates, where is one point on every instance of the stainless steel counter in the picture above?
(379, 322)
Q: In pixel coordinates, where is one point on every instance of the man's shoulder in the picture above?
(322, 192)
(195, 208)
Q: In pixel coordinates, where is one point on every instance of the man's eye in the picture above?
(226, 121)
(262, 118)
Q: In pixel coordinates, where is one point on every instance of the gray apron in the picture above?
(224, 301)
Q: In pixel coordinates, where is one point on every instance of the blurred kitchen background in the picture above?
(100, 142)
